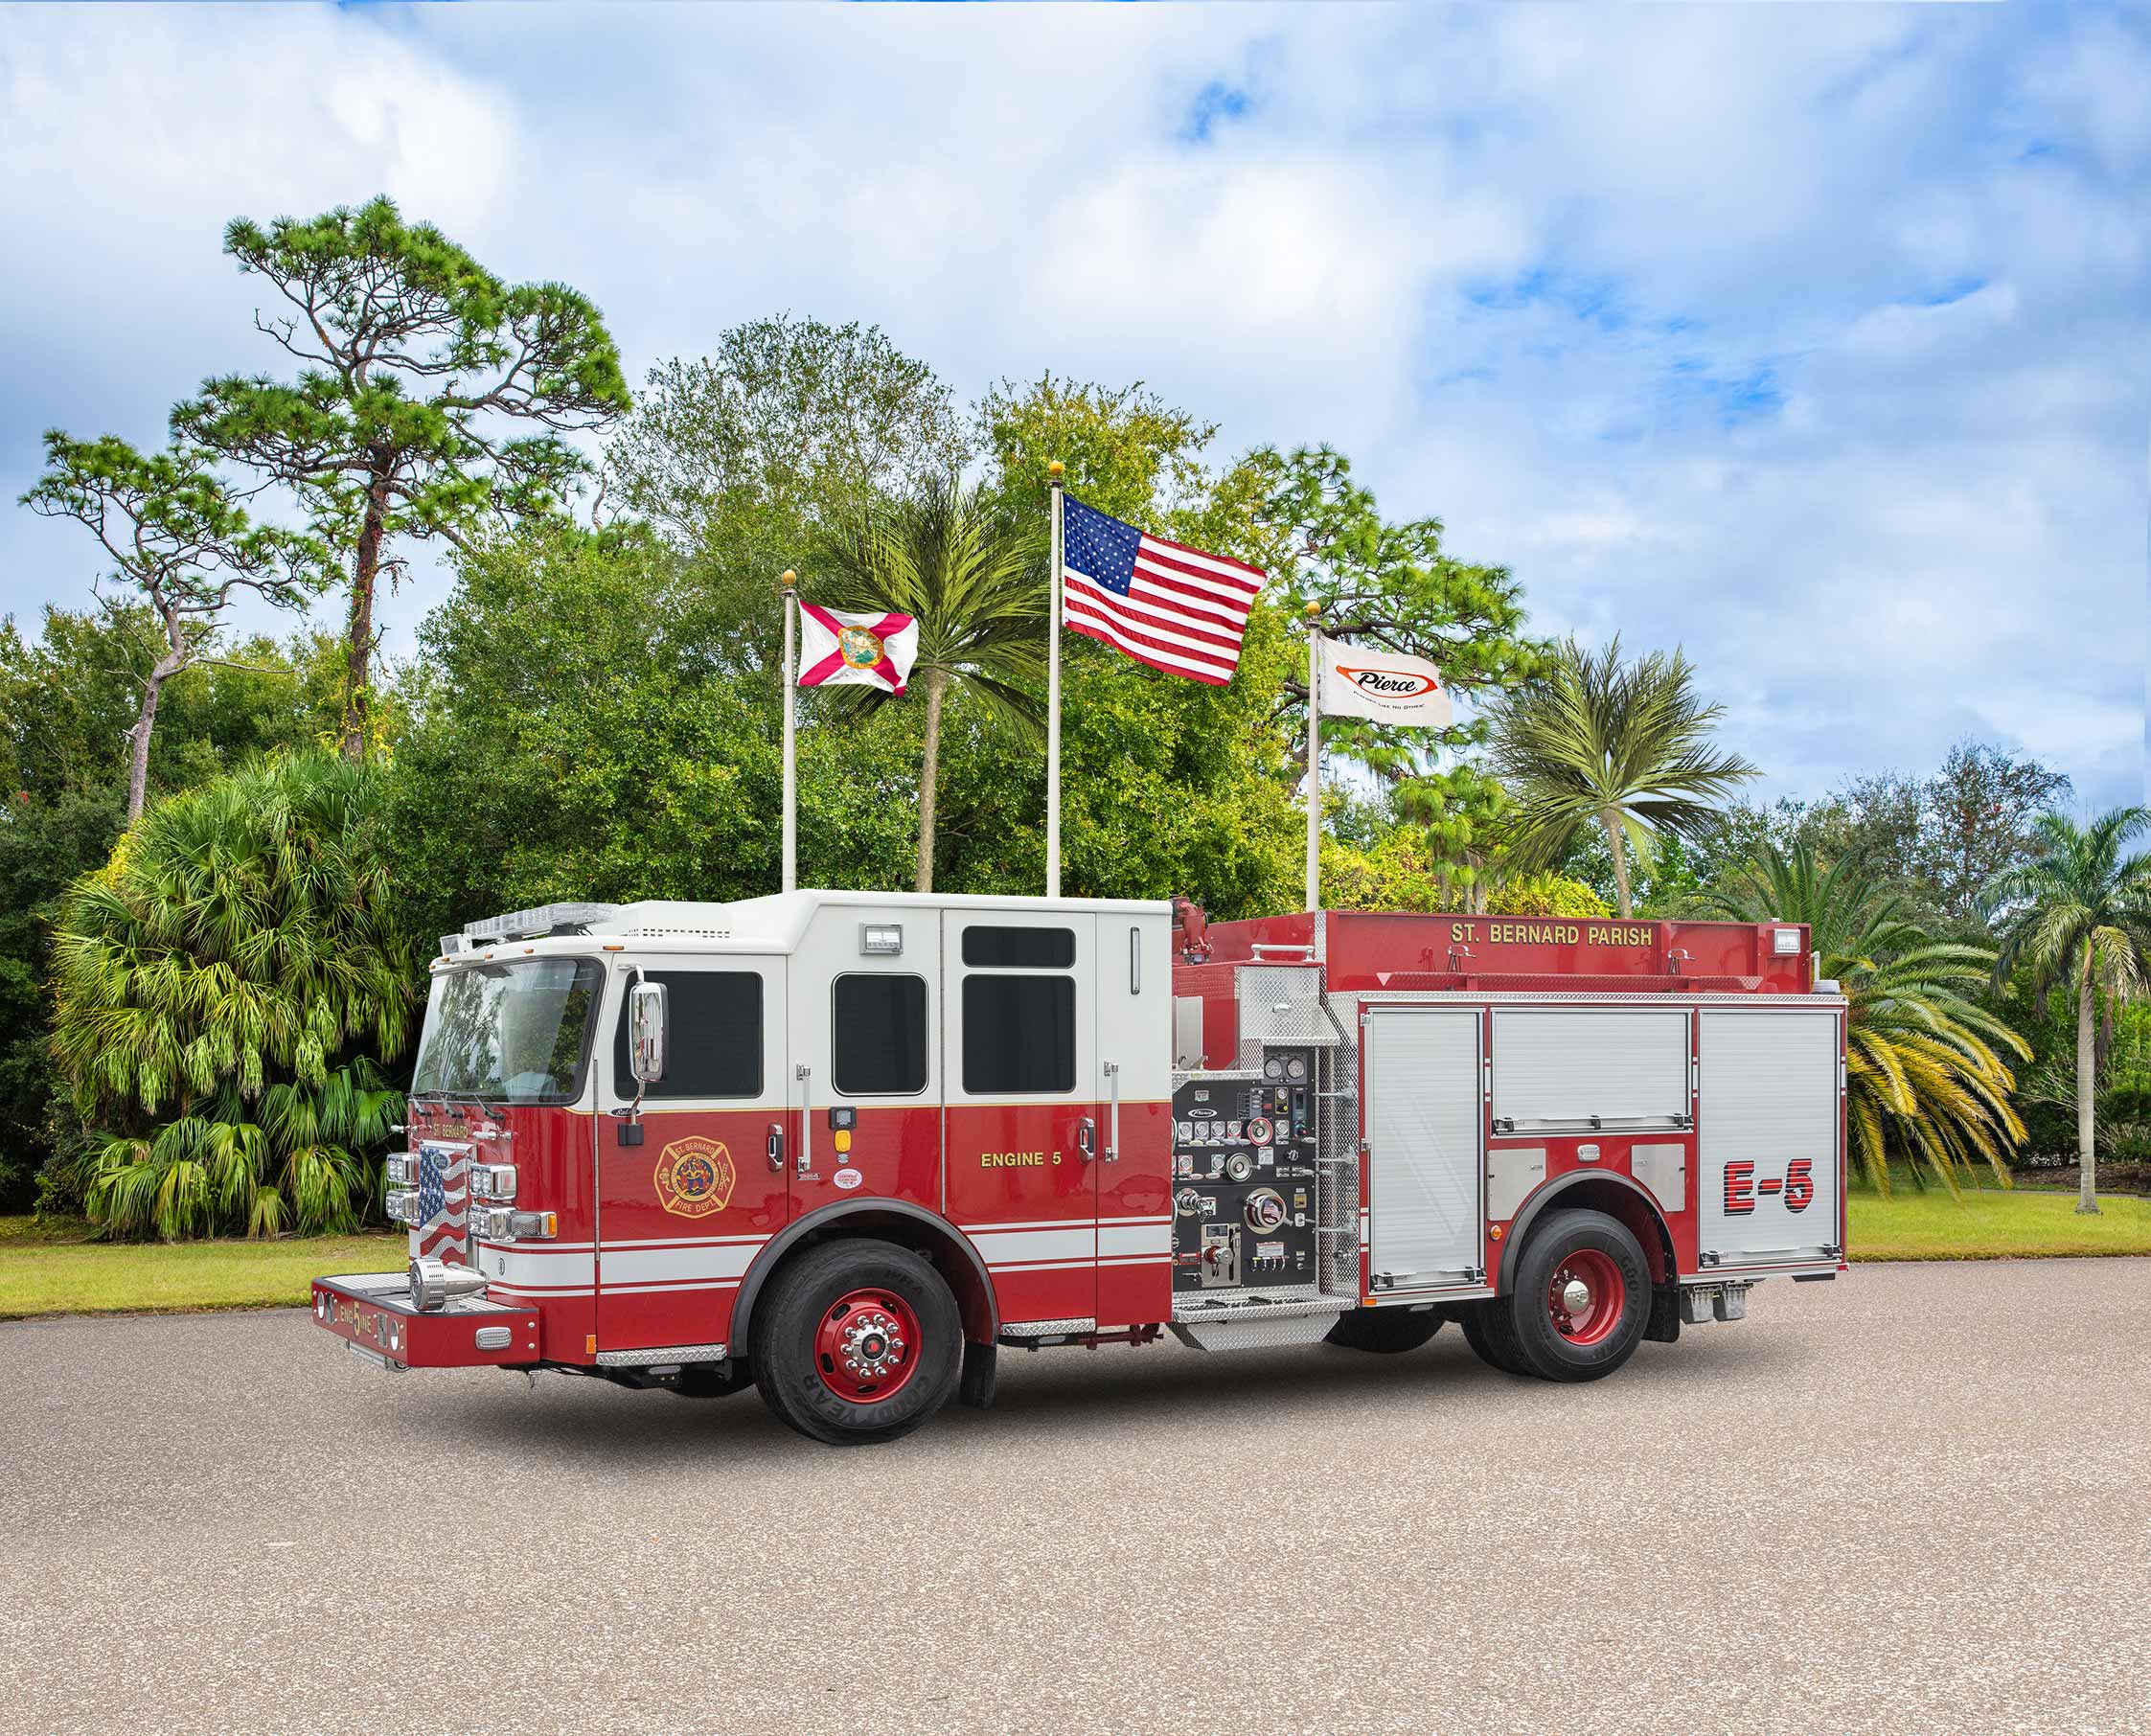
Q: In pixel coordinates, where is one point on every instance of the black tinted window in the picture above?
(713, 1045)
(1019, 948)
(1019, 1035)
(878, 1036)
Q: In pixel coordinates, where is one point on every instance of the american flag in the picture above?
(1163, 604)
(444, 1203)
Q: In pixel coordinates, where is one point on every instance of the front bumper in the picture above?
(372, 1312)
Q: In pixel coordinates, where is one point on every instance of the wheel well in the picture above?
(1596, 1191)
(935, 1240)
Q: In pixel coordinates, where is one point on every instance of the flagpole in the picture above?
(790, 582)
(1053, 702)
(1313, 759)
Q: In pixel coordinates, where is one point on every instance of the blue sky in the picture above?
(1812, 340)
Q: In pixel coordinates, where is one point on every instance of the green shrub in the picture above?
(229, 989)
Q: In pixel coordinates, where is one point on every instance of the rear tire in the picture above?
(856, 1342)
(1478, 1321)
(1386, 1331)
(1581, 1301)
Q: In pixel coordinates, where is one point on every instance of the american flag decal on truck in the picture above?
(444, 1203)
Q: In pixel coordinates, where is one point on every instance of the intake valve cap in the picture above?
(434, 1280)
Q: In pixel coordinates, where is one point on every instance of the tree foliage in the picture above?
(67, 701)
(1925, 1079)
(977, 588)
(572, 736)
(227, 991)
(1622, 747)
(180, 543)
(2079, 915)
(417, 367)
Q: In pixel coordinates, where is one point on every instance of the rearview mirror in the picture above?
(645, 1032)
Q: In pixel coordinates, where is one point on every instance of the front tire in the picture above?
(1581, 1301)
(1386, 1331)
(856, 1342)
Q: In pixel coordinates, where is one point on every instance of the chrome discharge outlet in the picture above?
(434, 1280)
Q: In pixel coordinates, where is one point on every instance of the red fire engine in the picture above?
(845, 1147)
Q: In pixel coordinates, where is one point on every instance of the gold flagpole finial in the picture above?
(789, 579)
(1314, 610)
(1054, 470)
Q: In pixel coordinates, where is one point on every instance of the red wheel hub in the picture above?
(1587, 1295)
(867, 1346)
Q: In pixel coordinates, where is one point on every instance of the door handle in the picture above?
(803, 1072)
(1087, 1139)
(776, 1145)
(1112, 1123)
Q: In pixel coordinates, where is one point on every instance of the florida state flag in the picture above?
(873, 651)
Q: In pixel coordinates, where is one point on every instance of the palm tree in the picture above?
(1922, 1071)
(223, 990)
(979, 593)
(1622, 747)
(2079, 913)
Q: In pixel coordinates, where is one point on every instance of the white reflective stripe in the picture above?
(640, 1289)
(998, 1247)
(1135, 1238)
(632, 1263)
(972, 1229)
(548, 1268)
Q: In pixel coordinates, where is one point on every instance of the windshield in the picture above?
(514, 1033)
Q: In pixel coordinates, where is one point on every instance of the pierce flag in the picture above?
(839, 648)
(1386, 686)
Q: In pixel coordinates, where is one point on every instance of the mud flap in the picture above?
(1664, 1327)
(974, 1388)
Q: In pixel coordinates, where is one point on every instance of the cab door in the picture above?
(689, 1193)
(865, 1058)
(1025, 1134)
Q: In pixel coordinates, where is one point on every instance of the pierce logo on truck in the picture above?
(695, 1178)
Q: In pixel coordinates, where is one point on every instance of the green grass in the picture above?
(1990, 1223)
(46, 1269)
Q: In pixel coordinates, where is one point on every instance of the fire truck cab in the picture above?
(846, 1146)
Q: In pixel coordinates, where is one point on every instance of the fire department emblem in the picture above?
(695, 1178)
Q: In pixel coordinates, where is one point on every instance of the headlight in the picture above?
(402, 1168)
(492, 1181)
(403, 1208)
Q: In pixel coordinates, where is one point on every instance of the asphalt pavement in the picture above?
(1916, 1499)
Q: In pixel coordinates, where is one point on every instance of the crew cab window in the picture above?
(987, 948)
(1020, 1036)
(713, 1036)
(878, 1035)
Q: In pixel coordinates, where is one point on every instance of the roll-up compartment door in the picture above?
(1424, 1119)
(1590, 1067)
(1768, 1133)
